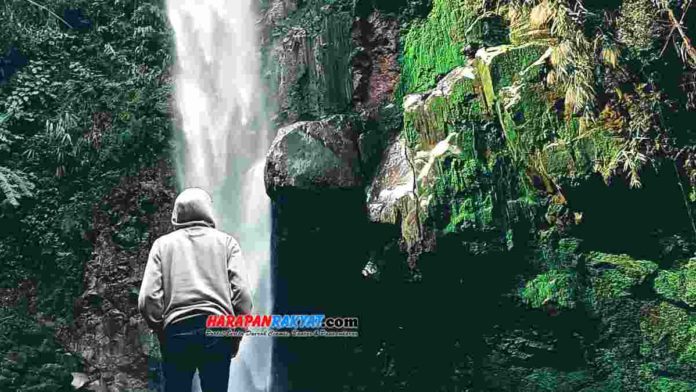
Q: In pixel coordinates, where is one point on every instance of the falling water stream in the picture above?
(225, 137)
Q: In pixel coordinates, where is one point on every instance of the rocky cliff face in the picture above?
(527, 175)
(117, 348)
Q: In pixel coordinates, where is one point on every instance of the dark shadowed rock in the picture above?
(310, 66)
(375, 64)
(108, 333)
(293, 58)
(311, 155)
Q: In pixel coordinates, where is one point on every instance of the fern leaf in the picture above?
(15, 185)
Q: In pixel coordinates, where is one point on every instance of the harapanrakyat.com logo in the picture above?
(282, 325)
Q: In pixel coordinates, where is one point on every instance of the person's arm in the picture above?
(241, 296)
(151, 296)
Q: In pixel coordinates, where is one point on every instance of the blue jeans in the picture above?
(185, 348)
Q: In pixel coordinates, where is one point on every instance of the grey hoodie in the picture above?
(195, 270)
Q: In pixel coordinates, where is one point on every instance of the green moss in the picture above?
(552, 380)
(558, 160)
(504, 65)
(666, 324)
(665, 384)
(473, 212)
(568, 247)
(454, 100)
(602, 147)
(434, 46)
(463, 189)
(553, 286)
(557, 254)
(679, 285)
(612, 276)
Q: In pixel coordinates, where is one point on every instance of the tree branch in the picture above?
(43, 7)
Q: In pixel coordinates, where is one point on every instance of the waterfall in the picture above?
(219, 97)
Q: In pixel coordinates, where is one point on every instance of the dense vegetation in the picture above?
(552, 142)
(557, 223)
(84, 101)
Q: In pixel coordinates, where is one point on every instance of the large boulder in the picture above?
(312, 155)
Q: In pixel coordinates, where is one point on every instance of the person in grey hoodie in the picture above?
(191, 273)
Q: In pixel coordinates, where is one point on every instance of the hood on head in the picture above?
(193, 207)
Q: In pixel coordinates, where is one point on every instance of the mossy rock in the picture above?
(433, 47)
(501, 66)
(678, 285)
(665, 325)
(612, 275)
(430, 116)
(474, 212)
(311, 155)
(553, 287)
(313, 78)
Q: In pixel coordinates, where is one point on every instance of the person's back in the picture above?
(191, 273)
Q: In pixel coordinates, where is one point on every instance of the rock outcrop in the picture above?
(392, 185)
(311, 65)
(515, 137)
(108, 333)
(375, 65)
(313, 155)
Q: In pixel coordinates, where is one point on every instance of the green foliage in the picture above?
(434, 46)
(14, 185)
(638, 26)
(476, 211)
(614, 275)
(673, 327)
(30, 359)
(89, 107)
(552, 380)
(567, 103)
(556, 287)
(678, 285)
(665, 384)
(131, 234)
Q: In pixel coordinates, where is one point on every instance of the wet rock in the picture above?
(277, 11)
(392, 185)
(312, 67)
(293, 57)
(502, 66)
(312, 155)
(79, 380)
(375, 65)
(392, 199)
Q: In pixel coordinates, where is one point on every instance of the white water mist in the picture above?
(219, 97)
